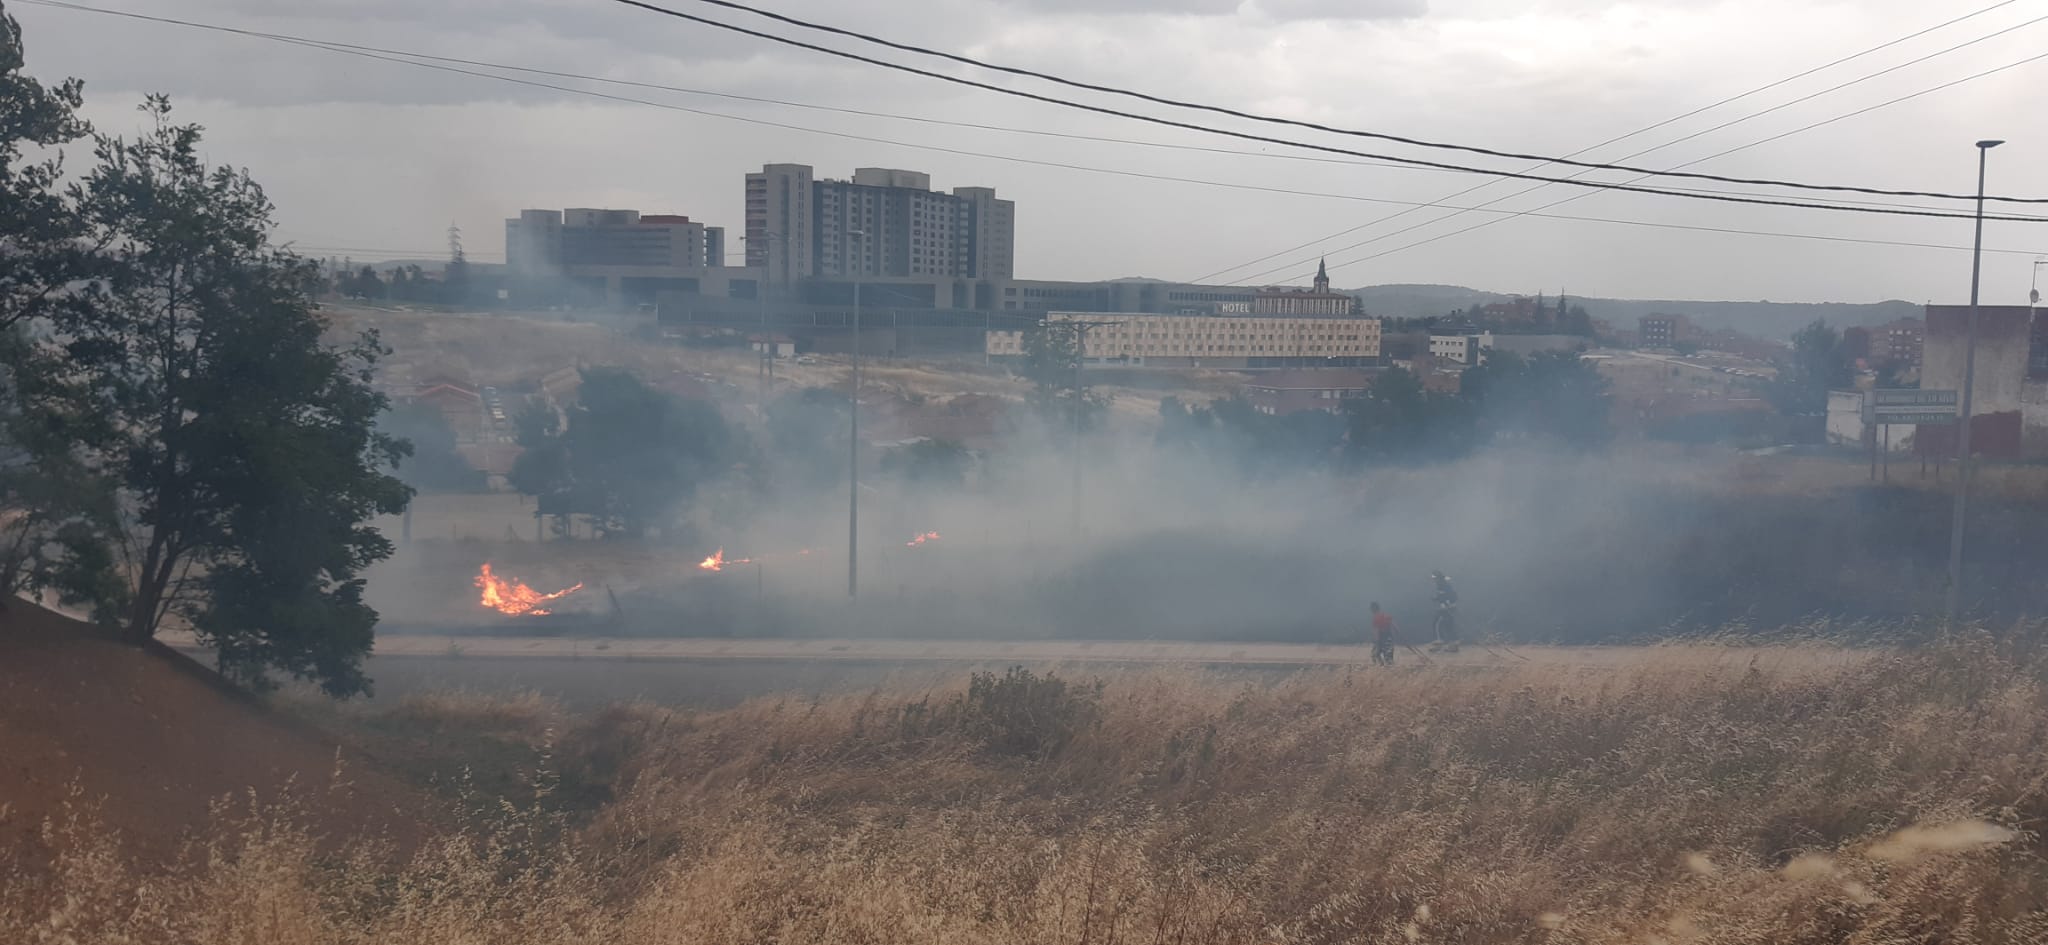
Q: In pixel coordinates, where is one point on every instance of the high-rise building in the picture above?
(552, 242)
(882, 223)
(780, 222)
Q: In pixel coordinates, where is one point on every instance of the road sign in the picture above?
(1910, 405)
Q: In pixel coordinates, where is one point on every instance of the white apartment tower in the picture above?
(884, 222)
(780, 220)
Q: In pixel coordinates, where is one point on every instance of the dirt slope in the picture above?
(154, 738)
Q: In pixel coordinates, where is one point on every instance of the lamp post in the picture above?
(853, 437)
(1955, 538)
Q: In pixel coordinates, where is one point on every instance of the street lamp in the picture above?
(1955, 538)
(853, 437)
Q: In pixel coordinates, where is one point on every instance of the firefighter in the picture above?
(1446, 623)
(1382, 636)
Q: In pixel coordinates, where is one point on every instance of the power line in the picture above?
(1689, 194)
(1217, 109)
(656, 86)
(409, 54)
(1704, 108)
(1575, 197)
(1141, 175)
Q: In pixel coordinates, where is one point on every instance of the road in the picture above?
(1046, 651)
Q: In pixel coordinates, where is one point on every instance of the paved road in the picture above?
(1046, 651)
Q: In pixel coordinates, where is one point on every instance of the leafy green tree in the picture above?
(1059, 393)
(44, 238)
(1548, 394)
(534, 422)
(53, 509)
(1819, 363)
(1576, 322)
(367, 285)
(631, 456)
(929, 462)
(245, 446)
(435, 464)
(1400, 420)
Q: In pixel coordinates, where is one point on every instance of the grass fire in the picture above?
(513, 598)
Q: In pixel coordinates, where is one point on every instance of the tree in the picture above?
(367, 285)
(244, 446)
(1576, 322)
(1548, 394)
(535, 422)
(1052, 363)
(1819, 363)
(435, 464)
(631, 456)
(929, 462)
(1400, 420)
(53, 510)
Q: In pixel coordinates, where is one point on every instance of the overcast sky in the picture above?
(378, 158)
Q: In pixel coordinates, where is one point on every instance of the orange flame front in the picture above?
(717, 561)
(922, 538)
(513, 597)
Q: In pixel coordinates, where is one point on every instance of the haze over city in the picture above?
(374, 159)
(622, 472)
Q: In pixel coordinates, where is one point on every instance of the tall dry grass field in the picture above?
(1667, 799)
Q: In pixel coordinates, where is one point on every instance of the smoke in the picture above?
(1138, 541)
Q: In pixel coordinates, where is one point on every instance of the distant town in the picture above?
(931, 274)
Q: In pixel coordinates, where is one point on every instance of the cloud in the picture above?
(1128, 7)
(1338, 9)
(419, 147)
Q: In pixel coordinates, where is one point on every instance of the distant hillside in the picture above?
(1774, 320)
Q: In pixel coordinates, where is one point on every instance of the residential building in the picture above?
(883, 223)
(1283, 392)
(1230, 340)
(780, 222)
(1900, 341)
(2008, 406)
(1663, 331)
(1463, 348)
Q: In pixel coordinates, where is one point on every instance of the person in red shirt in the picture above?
(1382, 636)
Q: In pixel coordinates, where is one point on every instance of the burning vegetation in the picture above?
(512, 597)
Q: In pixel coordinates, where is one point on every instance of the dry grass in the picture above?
(1892, 800)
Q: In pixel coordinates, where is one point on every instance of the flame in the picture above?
(718, 561)
(922, 538)
(513, 597)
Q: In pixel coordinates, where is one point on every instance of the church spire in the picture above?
(1323, 275)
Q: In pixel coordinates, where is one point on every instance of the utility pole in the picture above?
(763, 368)
(1955, 538)
(1080, 331)
(853, 438)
